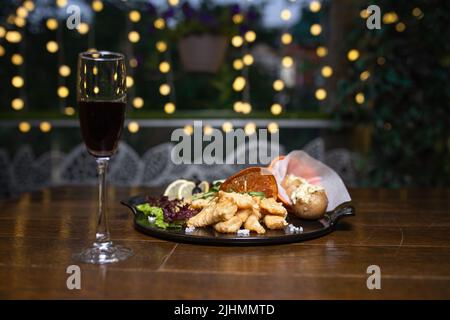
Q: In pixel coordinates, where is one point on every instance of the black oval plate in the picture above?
(311, 229)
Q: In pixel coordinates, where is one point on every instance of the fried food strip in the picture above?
(209, 215)
(229, 226)
(200, 203)
(252, 224)
(243, 214)
(275, 222)
(255, 208)
(226, 208)
(271, 206)
(243, 201)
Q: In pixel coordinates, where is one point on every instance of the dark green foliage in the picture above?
(406, 98)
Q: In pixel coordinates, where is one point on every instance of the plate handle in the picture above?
(340, 212)
(129, 206)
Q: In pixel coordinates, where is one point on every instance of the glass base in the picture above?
(104, 252)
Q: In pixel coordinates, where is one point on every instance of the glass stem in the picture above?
(102, 233)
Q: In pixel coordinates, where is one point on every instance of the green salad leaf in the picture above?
(158, 213)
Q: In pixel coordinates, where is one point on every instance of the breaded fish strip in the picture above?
(271, 206)
(243, 214)
(201, 203)
(206, 217)
(229, 226)
(227, 208)
(253, 224)
(255, 207)
(243, 201)
(275, 222)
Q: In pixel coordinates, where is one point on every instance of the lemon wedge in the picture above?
(185, 190)
(204, 186)
(173, 188)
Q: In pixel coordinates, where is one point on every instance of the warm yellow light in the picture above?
(276, 109)
(364, 75)
(97, 90)
(129, 81)
(208, 130)
(2, 51)
(17, 82)
(250, 128)
(173, 3)
(138, 102)
(63, 92)
(321, 51)
(400, 27)
(134, 16)
(227, 126)
(250, 36)
(272, 127)
(315, 6)
(97, 5)
(364, 14)
(169, 108)
(20, 22)
(16, 59)
(286, 38)
(45, 126)
(321, 94)
(390, 17)
(188, 130)
(287, 62)
(237, 106)
(248, 59)
(134, 36)
(278, 85)
(94, 70)
(133, 62)
(2, 32)
(417, 12)
(29, 5)
(24, 127)
(353, 55)
(22, 12)
(164, 89)
(238, 18)
(83, 28)
(17, 104)
(246, 108)
(359, 98)
(13, 36)
(238, 64)
(61, 3)
(95, 55)
(161, 46)
(51, 24)
(315, 29)
(164, 67)
(327, 71)
(286, 14)
(237, 41)
(69, 111)
(159, 23)
(133, 127)
(239, 83)
(64, 71)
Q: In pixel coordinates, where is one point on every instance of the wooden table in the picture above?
(406, 233)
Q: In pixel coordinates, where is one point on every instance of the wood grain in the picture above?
(405, 232)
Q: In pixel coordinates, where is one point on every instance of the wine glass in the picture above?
(102, 97)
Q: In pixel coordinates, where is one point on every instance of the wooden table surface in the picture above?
(406, 233)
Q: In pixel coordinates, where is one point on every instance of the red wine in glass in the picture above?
(101, 126)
